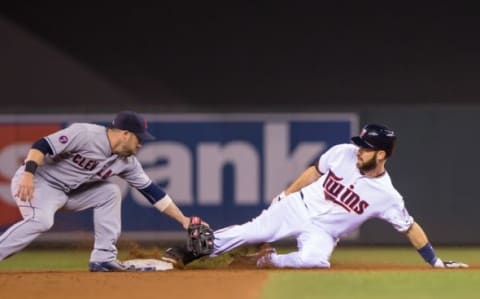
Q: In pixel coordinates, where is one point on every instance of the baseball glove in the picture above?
(200, 238)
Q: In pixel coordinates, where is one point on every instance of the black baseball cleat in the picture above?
(179, 257)
(111, 266)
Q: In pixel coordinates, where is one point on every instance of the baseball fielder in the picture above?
(348, 185)
(69, 169)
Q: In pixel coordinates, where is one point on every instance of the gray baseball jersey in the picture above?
(81, 157)
(82, 154)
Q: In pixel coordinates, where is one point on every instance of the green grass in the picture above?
(47, 260)
(359, 285)
(434, 284)
(400, 255)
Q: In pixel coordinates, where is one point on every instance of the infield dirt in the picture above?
(178, 284)
(198, 284)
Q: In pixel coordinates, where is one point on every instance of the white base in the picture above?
(149, 265)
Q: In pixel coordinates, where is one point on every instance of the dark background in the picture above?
(411, 67)
(259, 56)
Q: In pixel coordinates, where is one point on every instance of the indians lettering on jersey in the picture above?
(89, 164)
(105, 173)
(343, 196)
(85, 163)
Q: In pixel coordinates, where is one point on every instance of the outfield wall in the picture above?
(435, 167)
(226, 167)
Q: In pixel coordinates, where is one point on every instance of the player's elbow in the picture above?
(409, 229)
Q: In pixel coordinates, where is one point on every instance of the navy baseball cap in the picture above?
(132, 122)
(376, 137)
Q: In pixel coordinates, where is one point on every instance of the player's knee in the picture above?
(43, 222)
(313, 260)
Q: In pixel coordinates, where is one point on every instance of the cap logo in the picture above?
(363, 133)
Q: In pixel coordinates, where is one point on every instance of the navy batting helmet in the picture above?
(376, 137)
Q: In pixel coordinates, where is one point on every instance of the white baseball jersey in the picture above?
(318, 214)
(342, 199)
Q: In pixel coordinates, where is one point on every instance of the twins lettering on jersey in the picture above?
(343, 196)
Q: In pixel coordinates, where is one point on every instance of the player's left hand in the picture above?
(449, 264)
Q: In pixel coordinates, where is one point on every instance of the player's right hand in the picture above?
(449, 264)
(454, 265)
(25, 187)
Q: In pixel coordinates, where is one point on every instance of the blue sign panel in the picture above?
(224, 168)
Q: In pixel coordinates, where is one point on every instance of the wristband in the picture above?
(31, 166)
(428, 254)
(163, 203)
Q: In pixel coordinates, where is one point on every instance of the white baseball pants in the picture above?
(289, 217)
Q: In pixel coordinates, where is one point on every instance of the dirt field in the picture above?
(198, 284)
(35, 274)
(178, 284)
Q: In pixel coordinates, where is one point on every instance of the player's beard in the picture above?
(368, 165)
(126, 152)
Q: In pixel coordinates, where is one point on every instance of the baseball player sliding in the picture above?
(348, 185)
(69, 169)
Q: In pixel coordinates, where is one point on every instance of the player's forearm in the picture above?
(310, 175)
(35, 155)
(419, 240)
(33, 160)
(417, 236)
(173, 211)
(38, 151)
(164, 203)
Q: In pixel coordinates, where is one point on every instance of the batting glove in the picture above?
(449, 264)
